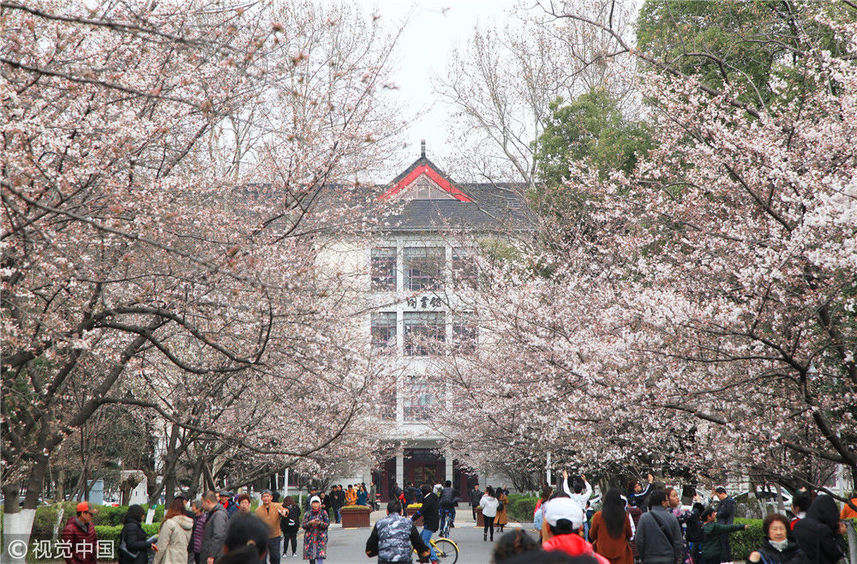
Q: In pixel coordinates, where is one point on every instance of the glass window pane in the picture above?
(384, 331)
(424, 267)
(465, 334)
(463, 268)
(420, 398)
(383, 268)
(387, 401)
(424, 332)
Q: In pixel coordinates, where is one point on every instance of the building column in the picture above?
(400, 470)
(447, 457)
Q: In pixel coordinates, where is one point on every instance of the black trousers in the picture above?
(489, 526)
(290, 536)
(273, 555)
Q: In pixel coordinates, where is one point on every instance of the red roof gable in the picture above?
(418, 171)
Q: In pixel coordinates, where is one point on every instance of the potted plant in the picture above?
(412, 510)
(354, 516)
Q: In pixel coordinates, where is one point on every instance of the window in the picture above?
(384, 331)
(387, 402)
(463, 268)
(465, 334)
(384, 268)
(420, 398)
(424, 188)
(425, 332)
(424, 267)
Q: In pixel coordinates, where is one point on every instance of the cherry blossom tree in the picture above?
(135, 264)
(704, 316)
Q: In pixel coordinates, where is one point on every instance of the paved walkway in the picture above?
(348, 546)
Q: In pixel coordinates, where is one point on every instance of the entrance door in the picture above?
(463, 481)
(384, 476)
(422, 466)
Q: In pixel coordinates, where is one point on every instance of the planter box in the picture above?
(412, 511)
(480, 522)
(354, 517)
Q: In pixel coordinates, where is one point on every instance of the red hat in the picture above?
(82, 506)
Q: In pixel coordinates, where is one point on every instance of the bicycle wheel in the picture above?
(446, 551)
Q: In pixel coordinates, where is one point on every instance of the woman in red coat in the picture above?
(611, 530)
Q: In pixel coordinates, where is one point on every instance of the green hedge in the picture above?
(745, 542)
(112, 532)
(102, 516)
(520, 507)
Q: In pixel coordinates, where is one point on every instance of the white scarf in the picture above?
(779, 545)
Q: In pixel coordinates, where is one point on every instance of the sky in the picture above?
(432, 30)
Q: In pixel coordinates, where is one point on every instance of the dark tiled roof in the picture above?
(495, 207)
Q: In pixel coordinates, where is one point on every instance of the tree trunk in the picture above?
(781, 506)
(61, 484)
(206, 474)
(171, 456)
(169, 486)
(195, 478)
(10, 496)
(854, 478)
(17, 523)
(59, 522)
(36, 481)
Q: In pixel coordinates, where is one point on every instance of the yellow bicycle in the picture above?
(445, 549)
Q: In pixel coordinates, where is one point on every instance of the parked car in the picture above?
(768, 493)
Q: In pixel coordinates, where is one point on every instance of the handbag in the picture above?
(500, 506)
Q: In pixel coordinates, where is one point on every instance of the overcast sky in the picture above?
(433, 28)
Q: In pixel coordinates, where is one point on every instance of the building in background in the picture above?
(418, 271)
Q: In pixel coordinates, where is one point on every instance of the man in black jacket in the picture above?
(725, 516)
(214, 532)
(430, 513)
(411, 494)
(337, 500)
(448, 502)
(475, 498)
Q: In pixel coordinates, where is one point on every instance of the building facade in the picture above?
(419, 271)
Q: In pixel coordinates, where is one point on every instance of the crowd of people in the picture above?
(339, 497)
(644, 525)
(648, 525)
